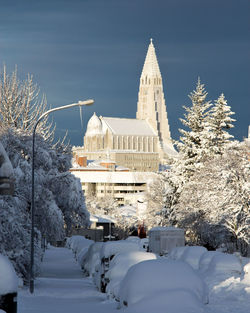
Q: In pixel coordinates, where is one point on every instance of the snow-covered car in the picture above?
(8, 285)
(192, 255)
(77, 243)
(223, 263)
(108, 251)
(173, 301)
(92, 258)
(119, 266)
(206, 258)
(146, 279)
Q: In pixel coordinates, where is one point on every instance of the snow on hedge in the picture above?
(147, 278)
(119, 266)
(8, 277)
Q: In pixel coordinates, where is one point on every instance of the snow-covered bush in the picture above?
(119, 266)
(50, 216)
(148, 278)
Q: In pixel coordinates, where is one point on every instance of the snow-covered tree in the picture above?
(192, 144)
(69, 198)
(219, 122)
(214, 205)
(21, 104)
(59, 200)
(162, 197)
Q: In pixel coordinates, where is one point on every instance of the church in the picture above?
(139, 144)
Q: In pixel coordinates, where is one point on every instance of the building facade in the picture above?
(139, 144)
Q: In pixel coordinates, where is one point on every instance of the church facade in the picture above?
(139, 144)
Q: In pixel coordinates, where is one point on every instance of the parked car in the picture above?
(8, 286)
(149, 278)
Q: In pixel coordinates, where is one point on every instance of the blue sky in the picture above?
(83, 49)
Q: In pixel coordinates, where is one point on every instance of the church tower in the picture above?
(151, 102)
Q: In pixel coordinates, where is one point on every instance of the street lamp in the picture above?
(79, 103)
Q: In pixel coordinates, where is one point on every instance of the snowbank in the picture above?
(192, 256)
(119, 266)
(148, 278)
(173, 301)
(8, 277)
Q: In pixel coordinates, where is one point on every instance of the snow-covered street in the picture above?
(61, 288)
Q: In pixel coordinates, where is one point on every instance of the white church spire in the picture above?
(151, 67)
(151, 102)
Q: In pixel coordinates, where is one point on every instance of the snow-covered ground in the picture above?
(62, 288)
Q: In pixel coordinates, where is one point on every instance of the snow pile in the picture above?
(146, 279)
(8, 277)
(224, 264)
(173, 301)
(192, 256)
(119, 266)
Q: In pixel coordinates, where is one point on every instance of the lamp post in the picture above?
(79, 103)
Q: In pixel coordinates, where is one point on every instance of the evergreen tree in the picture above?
(219, 123)
(192, 145)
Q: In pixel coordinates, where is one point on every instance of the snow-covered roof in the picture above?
(113, 177)
(94, 126)
(127, 126)
(121, 168)
(102, 219)
(169, 149)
